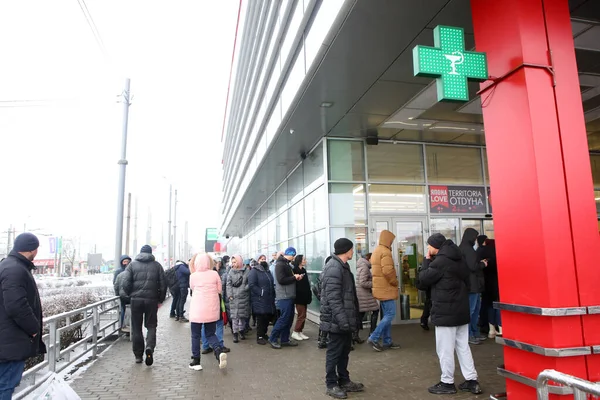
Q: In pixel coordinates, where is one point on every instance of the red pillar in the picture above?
(540, 175)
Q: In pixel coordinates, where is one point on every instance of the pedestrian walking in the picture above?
(145, 285)
(125, 260)
(239, 297)
(20, 313)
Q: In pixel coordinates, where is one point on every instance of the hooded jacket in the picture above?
(20, 310)
(144, 278)
(238, 293)
(448, 277)
(303, 292)
(118, 271)
(183, 275)
(339, 305)
(476, 280)
(262, 289)
(206, 287)
(490, 272)
(385, 280)
(364, 285)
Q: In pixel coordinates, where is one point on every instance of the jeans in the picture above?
(262, 324)
(174, 304)
(143, 311)
(284, 322)
(183, 294)
(494, 316)
(219, 329)
(475, 306)
(384, 329)
(209, 328)
(123, 306)
(337, 358)
(10, 377)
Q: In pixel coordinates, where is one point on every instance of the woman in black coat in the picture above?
(303, 297)
(262, 298)
(492, 293)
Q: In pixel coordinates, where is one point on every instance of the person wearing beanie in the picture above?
(339, 317)
(285, 295)
(145, 285)
(448, 278)
(20, 313)
(117, 279)
(385, 289)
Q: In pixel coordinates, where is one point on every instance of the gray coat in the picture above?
(285, 281)
(364, 284)
(238, 293)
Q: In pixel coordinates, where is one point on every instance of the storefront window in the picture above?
(347, 204)
(314, 212)
(295, 186)
(396, 162)
(471, 223)
(397, 199)
(485, 167)
(282, 227)
(316, 250)
(281, 198)
(346, 160)
(459, 165)
(313, 169)
(358, 236)
(488, 228)
(296, 220)
(447, 227)
(298, 244)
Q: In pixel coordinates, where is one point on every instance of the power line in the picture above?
(90, 21)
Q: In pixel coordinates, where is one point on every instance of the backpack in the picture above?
(172, 280)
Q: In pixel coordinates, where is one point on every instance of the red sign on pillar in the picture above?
(537, 152)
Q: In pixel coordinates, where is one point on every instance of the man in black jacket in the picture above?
(339, 317)
(145, 284)
(125, 260)
(20, 313)
(448, 277)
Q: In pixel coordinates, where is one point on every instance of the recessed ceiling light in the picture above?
(410, 118)
(327, 104)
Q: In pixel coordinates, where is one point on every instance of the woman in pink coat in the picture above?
(205, 308)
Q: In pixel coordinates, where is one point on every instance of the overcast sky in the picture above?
(60, 151)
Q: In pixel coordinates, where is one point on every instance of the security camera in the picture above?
(303, 155)
(226, 236)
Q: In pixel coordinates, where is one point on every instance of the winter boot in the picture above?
(195, 364)
(356, 338)
(242, 335)
(236, 338)
(492, 333)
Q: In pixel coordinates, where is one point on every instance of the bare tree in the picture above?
(69, 252)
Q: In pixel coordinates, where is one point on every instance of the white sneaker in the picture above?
(303, 336)
(222, 360)
(296, 336)
(492, 333)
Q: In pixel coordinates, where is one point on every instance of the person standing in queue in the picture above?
(339, 317)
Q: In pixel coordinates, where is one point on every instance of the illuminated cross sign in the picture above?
(450, 63)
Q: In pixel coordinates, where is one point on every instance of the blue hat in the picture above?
(290, 251)
(26, 242)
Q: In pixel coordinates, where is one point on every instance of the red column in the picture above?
(540, 176)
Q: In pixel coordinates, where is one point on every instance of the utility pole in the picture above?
(135, 228)
(149, 230)
(175, 253)
(169, 240)
(123, 165)
(128, 223)
(186, 246)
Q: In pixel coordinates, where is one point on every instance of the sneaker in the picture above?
(424, 326)
(352, 387)
(393, 346)
(184, 319)
(222, 360)
(225, 349)
(149, 358)
(296, 336)
(474, 341)
(275, 345)
(482, 338)
(470, 386)
(443, 388)
(336, 392)
(195, 364)
(207, 351)
(376, 346)
(139, 360)
(261, 341)
(303, 336)
(289, 344)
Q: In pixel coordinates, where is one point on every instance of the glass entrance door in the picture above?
(408, 253)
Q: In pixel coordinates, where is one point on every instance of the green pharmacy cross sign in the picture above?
(450, 63)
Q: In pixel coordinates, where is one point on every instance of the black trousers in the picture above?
(426, 310)
(143, 311)
(337, 358)
(262, 324)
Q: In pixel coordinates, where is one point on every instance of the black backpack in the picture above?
(172, 280)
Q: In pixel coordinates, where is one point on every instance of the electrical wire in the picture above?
(95, 32)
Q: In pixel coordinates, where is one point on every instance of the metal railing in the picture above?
(581, 388)
(102, 319)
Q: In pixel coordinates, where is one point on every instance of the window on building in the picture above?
(454, 165)
(446, 226)
(346, 160)
(315, 215)
(358, 236)
(386, 199)
(295, 186)
(595, 161)
(347, 204)
(313, 169)
(396, 162)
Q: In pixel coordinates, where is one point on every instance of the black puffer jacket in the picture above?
(145, 279)
(476, 281)
(339, 304)
(448, 277)
(20, 310)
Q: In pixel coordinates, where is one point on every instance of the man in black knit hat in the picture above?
(339, 317)
(448, 277)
